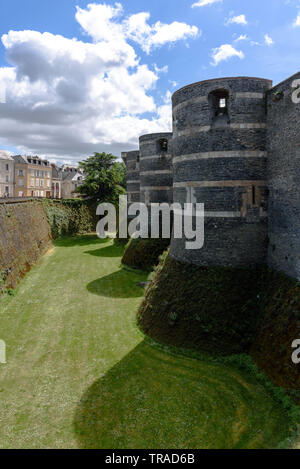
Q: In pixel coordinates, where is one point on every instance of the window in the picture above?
(41, 182)
(32, 172)
(222, 103)
(6, 190)
(219, 100)
(20, 172)
(6, 178)
(7, 167)
(42, 193)
(162, 145)
(31, 182)
(48, 183)
(37, 182)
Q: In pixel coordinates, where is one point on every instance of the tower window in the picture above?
(253, 196)
(219, 100)
(222, 103)
(162, 145)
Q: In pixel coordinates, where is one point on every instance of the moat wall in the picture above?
(25, 235)
(28, 227)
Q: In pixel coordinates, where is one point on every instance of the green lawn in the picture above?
(80, 375)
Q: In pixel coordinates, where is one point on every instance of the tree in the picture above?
(120, 173)
(103, 178)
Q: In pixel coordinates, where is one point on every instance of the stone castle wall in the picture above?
(132, 162)
(219, 159)
(156, 174)
(283, 178)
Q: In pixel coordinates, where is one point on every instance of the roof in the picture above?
(5, 156)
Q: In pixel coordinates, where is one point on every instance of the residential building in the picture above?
(72, 178)
(33, 176)
(6, 175)
(56, 182)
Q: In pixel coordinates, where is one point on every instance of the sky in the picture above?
(78, 77)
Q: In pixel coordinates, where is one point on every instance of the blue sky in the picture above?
(91, 76)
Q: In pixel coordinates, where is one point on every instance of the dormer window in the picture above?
(162, 145)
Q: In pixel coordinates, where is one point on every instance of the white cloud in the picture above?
(268, 40)
(100, 22)
(203, 3)
(242, 37)
(67, 98)
(297, 21)
(241, 19)
(225, 52)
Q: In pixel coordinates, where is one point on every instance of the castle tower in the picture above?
(156, 186)
(208, 298)
(156, 173)
(219, 159)
(132, 162)
(283, 145)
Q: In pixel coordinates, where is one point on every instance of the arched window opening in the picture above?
(162, 145)
(219, 102)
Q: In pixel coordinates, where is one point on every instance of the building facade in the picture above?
(7, 175)
(33, 177)
(72, 179)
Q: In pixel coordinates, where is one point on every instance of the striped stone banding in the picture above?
(220, 154)
(248, 95)
(219, 184)
(152, 157)
(206, 128)
(204, 99)
(198, 100)
(163, 171)
(259, 125)
(217, 214)
(136, 181)
(156, 188)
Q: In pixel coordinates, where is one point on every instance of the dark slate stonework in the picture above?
(237, 237)
(244, 164)
(132, 162)
(220, 169)
(284, 178)
(235, 84)
(159, 185)
(228, 242)
(225, 139)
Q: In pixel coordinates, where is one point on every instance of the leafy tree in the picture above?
(120, 173)
(103, 178)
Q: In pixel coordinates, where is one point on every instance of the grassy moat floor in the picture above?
(79, 374)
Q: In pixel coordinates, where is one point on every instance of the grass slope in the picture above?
(80, 374)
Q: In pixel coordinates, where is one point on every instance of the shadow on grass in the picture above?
(122, 409)
(80, 240)
(153, 400)
(108, 251)
(121, 284)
